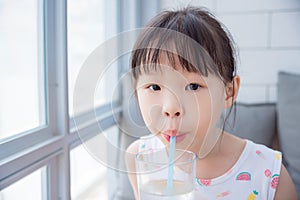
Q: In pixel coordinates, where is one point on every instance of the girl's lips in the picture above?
(171, 132)
(179, 138)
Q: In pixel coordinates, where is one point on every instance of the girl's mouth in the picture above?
(179, 138)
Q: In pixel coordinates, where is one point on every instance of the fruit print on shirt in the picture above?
(253, 195)
(203, 182)
(268, 173)
(223, 194)
(275, 180)
(243, 176)
(274, 177)
(260, 154)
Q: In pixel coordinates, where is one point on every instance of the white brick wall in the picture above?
(285, 29)
(267, 33)
(243, 35)
(255, 5)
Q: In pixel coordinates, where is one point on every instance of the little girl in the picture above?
(184, 75)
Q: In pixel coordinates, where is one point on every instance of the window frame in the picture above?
(50, 145)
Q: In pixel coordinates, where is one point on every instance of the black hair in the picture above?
(193, 35)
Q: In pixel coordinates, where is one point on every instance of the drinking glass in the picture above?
(154, 177)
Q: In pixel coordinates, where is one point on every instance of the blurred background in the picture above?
(43, 45)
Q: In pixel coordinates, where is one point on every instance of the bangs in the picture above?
(176, 47)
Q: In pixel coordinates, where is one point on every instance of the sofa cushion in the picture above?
(256, 122)
(288, 109)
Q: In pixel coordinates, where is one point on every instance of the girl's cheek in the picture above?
(150, 110)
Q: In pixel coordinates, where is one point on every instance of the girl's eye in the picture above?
(154, 87)
(193, 86)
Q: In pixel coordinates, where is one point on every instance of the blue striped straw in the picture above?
(171, 163)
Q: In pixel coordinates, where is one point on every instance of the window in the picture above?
(85, 33)
(87, 173)
(21, 188)
(45, 43)
(22, 82)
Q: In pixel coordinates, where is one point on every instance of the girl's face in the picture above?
(174, 101)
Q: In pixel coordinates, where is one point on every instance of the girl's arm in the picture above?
(285, 188)
(131, 152)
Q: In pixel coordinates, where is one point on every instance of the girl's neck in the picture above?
(221, 158)
(211, 144)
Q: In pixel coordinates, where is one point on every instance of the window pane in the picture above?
(88, 176)
(22, 105)
(29, 187)
(86, 31)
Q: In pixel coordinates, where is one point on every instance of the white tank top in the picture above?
(253, 177)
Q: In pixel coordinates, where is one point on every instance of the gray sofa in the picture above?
(276, 125)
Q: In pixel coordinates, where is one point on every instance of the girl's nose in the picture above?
(172, 114)
(172, 107)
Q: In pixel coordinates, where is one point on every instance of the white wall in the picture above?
(267, 33)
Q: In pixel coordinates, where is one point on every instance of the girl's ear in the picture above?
(232, 90)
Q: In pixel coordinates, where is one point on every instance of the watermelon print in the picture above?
(275, 180)
(204, 182)
(243, 176)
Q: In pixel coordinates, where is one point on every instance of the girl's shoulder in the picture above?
(261, 166)
(262, 153)
(252, 153)
(259, 159)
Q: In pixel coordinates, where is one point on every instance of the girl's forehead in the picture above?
(167, 64)
(164, 61)
(179, 74)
